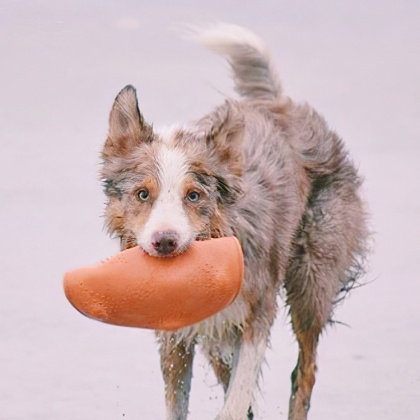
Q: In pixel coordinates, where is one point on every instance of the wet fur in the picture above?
(274, 175)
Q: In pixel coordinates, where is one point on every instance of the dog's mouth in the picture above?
(167, 252)
(163, 255)
(170, 248)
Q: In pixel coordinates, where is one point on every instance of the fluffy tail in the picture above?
(254, 74)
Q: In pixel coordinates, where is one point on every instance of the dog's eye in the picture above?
(193, 196)
(143, 194)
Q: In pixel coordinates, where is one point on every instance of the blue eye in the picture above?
(143, 195)
(193, 196)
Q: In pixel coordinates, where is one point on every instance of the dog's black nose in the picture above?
(165, 242)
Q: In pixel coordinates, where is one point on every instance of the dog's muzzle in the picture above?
(165, 242)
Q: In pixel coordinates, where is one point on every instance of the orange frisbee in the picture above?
(134, 289)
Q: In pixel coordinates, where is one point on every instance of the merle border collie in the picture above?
(266, 170)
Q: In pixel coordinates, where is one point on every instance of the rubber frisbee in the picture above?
(134, 289)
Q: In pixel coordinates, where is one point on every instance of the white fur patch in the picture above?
(166, 132)
(214, 327)
(168, 213)
(222, 37)
(244, 381)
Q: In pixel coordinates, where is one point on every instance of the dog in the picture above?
(263, 169)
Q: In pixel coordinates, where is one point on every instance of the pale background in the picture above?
(63, 62)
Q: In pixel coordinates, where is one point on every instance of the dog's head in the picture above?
(167, 189)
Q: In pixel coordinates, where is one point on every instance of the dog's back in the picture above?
(283, 139)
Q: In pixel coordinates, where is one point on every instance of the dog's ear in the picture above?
(127, 128)
(225, 138)
(224, 141)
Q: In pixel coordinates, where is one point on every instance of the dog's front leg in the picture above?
(176, 364)
(248, 357)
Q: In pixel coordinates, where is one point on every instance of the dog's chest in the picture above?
(215, 327)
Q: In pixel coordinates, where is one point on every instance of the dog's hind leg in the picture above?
(303, 376)
(311, 300)
(221, 355)
(329, 242)
(311, 290)
(222, 371)
(247, 359)
(176, 364)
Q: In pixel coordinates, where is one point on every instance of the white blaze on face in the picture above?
(168, 212)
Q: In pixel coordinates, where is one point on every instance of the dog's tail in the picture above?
(254, 74)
